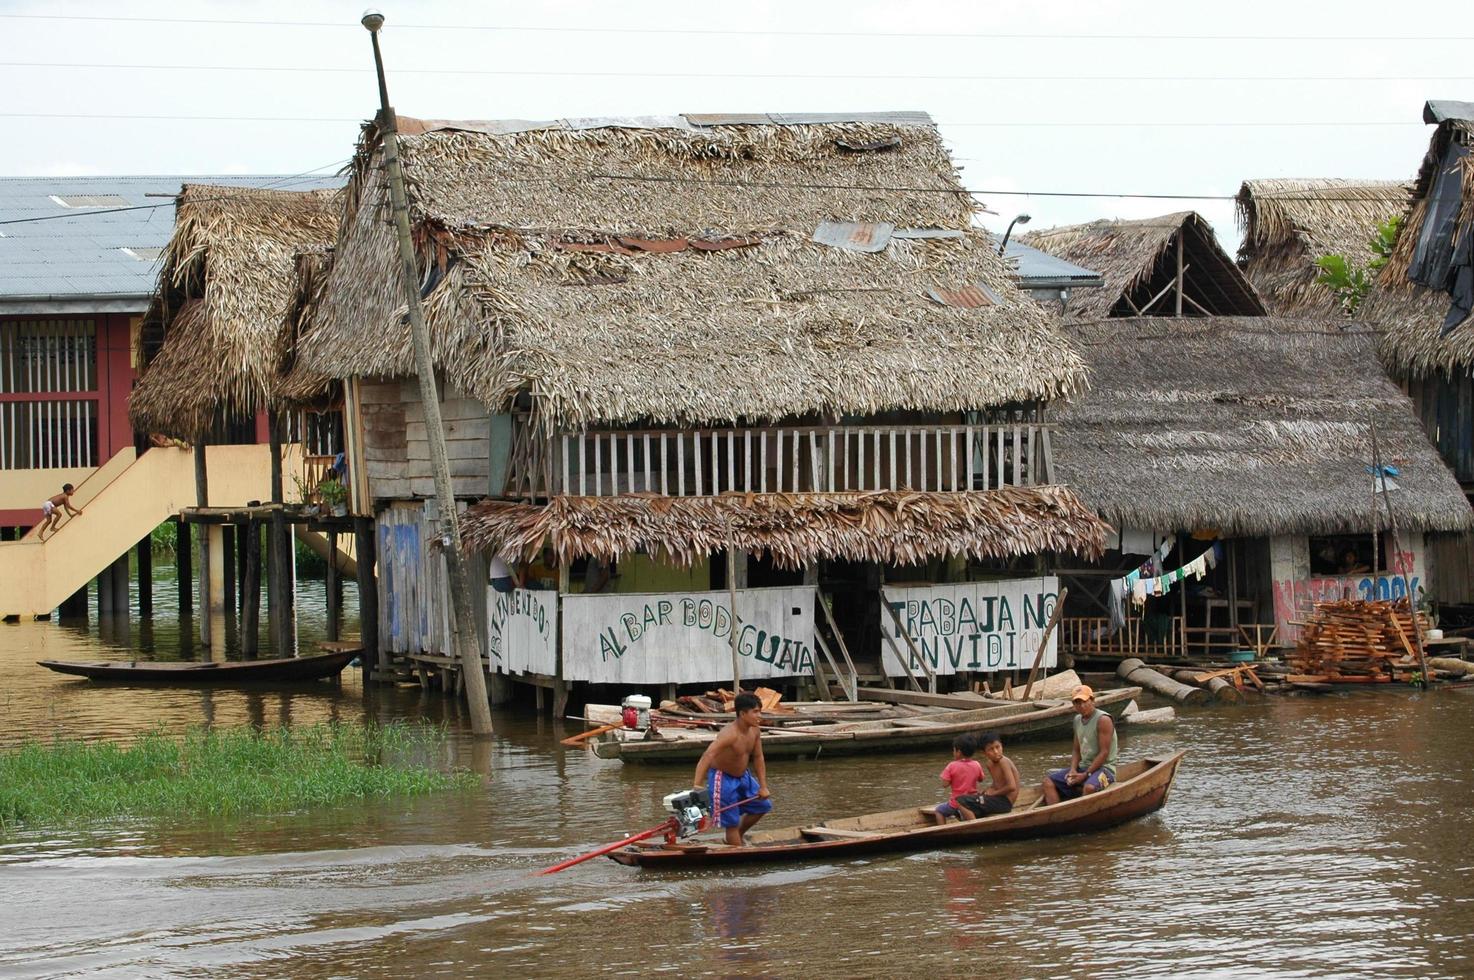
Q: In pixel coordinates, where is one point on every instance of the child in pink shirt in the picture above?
(962, 774)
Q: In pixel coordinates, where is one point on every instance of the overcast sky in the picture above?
(1104, 97)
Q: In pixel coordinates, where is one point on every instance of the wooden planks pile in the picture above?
(721, 700)
(1357, 641)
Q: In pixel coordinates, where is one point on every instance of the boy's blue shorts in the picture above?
(726, 789)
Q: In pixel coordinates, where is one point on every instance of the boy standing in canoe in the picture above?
(727, 769)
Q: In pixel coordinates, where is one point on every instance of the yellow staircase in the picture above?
(122, 502)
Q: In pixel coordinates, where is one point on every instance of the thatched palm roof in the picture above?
(224, 289)
(664, 270)
(1412, 315)
(1289, 223)
(1253, 426)
(794, 530)
(1138, 260)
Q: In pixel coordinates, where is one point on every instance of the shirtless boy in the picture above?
(727, 769)
(1002, 791)
(51, 510)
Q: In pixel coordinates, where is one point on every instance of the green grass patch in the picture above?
(227, 772)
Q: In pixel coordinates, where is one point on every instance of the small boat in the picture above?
(310, 668)
(1142, 789)
(1014, 720)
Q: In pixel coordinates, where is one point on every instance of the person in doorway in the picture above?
(1351, 564)
(503, 578)
(51, 510)
(1002, 791)
(1093, 761)
(962, 775)
(734, 773)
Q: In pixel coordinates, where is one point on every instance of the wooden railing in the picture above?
(50, 431)
(1086, 636)
(1093, 636)
(816, 459)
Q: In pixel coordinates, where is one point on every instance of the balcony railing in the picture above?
(695, 463)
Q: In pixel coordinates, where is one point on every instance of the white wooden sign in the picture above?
(685, 637)
(980, 627)
(521, 629)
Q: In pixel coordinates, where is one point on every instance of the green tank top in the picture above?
(1087, 730)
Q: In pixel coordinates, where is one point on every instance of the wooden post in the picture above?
(183, 563)
(1180, 271)
(334, 586)
(279, 578)
(560, 686)
(1379, 480)
(246, 527)
(462, 624)
(1059, 608)
(146, 577)
(251, 592)
(105, 591)
(732, 607)
(227, 544)
(215, 571)
(202, 499)
(368, 593)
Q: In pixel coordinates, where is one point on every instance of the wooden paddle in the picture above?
(1059, 607)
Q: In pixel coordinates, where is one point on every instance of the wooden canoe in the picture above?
(212, 672)
(1014, 720)
(1142, 789)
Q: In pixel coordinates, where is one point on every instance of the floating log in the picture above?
(1221, 689)
(1151, 716)
(1133, 671)
(1458, 668)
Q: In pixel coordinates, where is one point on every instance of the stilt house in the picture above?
(1233, 454)
(670, 342)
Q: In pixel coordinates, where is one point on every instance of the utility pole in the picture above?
(463, 635)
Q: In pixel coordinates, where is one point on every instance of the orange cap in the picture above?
(1082, 693)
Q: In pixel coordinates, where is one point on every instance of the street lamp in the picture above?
(1022, 219)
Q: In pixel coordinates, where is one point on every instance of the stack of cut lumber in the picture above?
(1358, 640)
(722, 700)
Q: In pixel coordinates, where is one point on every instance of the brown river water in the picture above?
(1306, 837)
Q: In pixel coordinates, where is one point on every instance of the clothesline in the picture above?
(1162, 584)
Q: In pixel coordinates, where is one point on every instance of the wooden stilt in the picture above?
(251, 591)
(560, 686)
(228, 563)
(183, 562)
(105, 591)
(146, 577)
(119, 580)
(245, 529)
(215, 609)
(202, 498)
(334, 586)
(280, 577)
(368, 594)
(75, 606)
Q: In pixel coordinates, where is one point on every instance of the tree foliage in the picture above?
(1352, 281)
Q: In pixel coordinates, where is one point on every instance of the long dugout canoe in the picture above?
(1014, 721)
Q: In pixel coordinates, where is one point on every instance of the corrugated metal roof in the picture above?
(79, 256)
(1437, 110)
(1038, 269)
(856, 236)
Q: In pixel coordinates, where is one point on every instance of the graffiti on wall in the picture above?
(1294, 599)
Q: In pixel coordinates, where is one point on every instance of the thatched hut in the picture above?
(1170, 265)
(1257, 431)
(663, 334)
(215, 337)
(1290, 223)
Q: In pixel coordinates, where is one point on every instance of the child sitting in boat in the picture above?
(1002, 791)
(962, 774)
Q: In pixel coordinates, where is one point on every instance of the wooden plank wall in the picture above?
(1446, 407)
(396, 449)
(414, 589)
(1450, 565)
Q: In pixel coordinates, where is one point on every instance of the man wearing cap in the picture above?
(1093, 762)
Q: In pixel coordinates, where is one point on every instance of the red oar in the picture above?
(669, 824)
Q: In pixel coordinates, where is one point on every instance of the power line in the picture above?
(279, 183)
(1024, 123)
(801, 76)
(752, 32)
